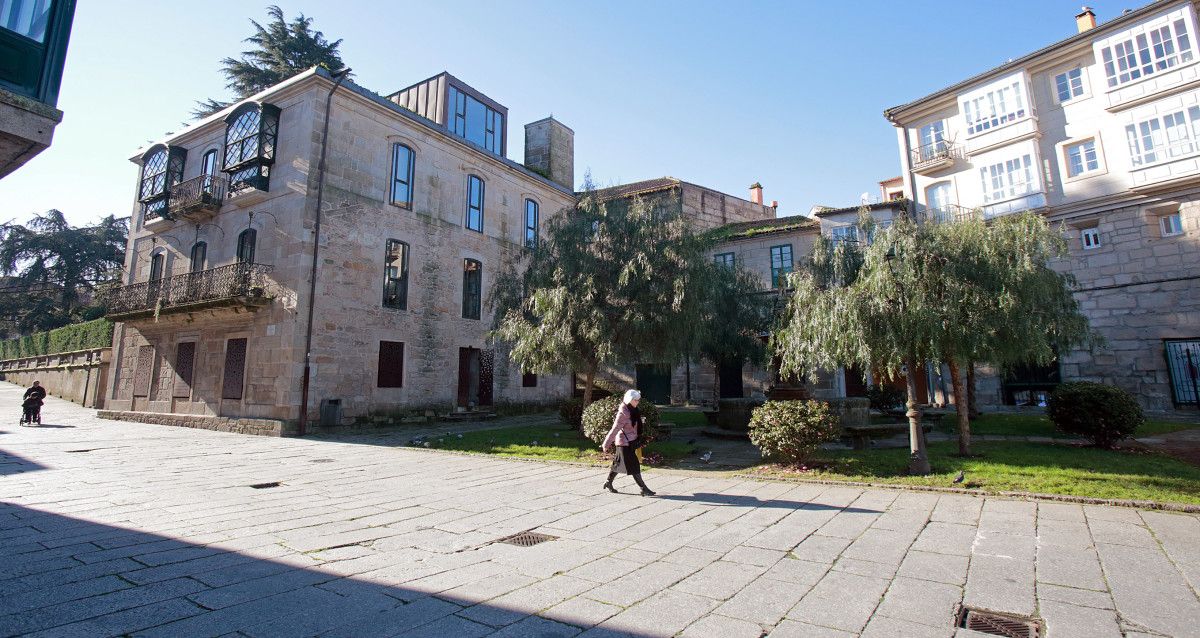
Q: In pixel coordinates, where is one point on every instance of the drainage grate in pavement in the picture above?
(79, 451)
(526, 539)
(263, 486)
(994, 624)
(322, 460)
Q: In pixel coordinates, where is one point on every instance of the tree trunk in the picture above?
(972, 406)
(918, 461)
(961, 408)
(589, 378)
(687, 379)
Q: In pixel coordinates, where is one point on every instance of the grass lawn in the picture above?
(553, 443)
(683, 418)
(1020, 466)
(1039, 425)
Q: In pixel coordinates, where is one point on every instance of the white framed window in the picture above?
(1008, 179)
(1147, 49)
(1068, 85)
(933, 140)
(1081, 158)
(1166, 137)
(995, 105)
(1170, 225)
(1090, 238)
(841, 234)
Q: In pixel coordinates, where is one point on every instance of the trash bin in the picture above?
(331, 412)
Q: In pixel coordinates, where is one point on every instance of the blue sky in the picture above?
(723, 94)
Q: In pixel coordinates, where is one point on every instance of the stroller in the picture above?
(32, 411)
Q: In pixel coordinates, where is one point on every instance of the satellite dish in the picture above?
(865, 198)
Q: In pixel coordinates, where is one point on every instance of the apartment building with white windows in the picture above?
(1100, 132)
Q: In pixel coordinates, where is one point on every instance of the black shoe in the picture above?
(609, 486)
(646, 492)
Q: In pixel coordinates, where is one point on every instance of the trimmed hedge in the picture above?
(791, 431)
(571, 412)
(77, 336)
(598, 420)
(1103, 413)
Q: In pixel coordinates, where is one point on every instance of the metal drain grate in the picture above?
(526, 539)
(994, 624)
(263, 486)
(322, 460)
(81, 451)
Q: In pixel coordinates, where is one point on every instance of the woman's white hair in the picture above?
(632, 395)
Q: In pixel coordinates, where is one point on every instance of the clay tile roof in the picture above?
(741, 230)
(636, 188)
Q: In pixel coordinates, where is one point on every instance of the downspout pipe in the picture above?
(302, 428)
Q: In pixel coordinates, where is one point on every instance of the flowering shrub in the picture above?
(791, 431)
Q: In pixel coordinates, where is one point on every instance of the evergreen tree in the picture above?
(281, 49)
(53, 269)
(955, 293)
(611, 283)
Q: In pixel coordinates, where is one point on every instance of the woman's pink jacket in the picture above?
(623, 431)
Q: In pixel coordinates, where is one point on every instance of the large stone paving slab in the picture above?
(110, 529)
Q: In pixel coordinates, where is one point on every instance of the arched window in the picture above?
(395, 274)
(250, 134)
(472, 299)
(157, 266)
(199, 255)
(245, 246)
(162, 168)
(402, 175)
(937, 201)
(475, 198)
(531, 224)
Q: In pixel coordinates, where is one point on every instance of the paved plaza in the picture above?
(110, 528)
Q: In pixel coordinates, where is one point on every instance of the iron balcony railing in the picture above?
(226, 285)
(203, 194)
(935, 154)
(951, 213)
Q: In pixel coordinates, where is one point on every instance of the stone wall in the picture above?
(75, 376)
(235, 425)
(710, 208)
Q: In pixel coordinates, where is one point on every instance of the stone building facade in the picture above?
(1099, 132)
(416, 217)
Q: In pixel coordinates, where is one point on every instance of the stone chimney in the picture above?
(756, 193)
(550, 151)
(1085, 20)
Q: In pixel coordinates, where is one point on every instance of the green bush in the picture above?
(598, 420)
(77, 336)
(571, 412)
(1102, 413)
(791, 431)
(885, 397)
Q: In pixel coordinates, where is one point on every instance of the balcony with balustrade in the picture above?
(197, 199)
(240, 286)
(931, 158)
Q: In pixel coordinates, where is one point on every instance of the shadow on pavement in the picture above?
(752, 501)
(15, 464)
(78, 577)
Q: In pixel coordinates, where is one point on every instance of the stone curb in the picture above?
(1060, 498)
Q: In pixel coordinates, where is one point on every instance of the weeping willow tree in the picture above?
(611, 283)
(955, 293)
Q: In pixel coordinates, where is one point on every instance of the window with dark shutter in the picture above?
(391, 364)
(185, 358)
(143, 372)
(235, 369)
(529, 380)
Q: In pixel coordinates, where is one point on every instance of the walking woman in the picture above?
(626, 436)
